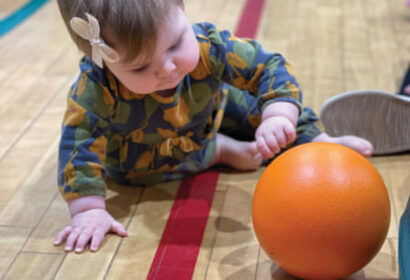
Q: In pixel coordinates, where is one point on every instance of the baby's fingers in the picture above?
(267, 146)
(72, 239)
(83, 239)
(98, 236)
(281, 139)
(290, 132)
(119, 229)
(62, 235)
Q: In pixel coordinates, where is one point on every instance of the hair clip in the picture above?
(91, 31)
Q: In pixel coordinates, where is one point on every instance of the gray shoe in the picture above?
(380, 117)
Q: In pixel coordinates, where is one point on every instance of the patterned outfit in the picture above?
(147, 139)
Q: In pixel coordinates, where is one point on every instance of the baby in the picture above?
(159, 99)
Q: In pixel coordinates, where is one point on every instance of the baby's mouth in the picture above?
(166, 92)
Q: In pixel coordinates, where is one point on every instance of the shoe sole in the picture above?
(380, 117)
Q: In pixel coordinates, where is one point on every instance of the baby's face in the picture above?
(176, 54)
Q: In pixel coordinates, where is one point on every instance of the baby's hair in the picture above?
(133, 23)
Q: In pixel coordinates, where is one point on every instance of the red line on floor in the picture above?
(182, 237)
(249, 21)
(179, 246)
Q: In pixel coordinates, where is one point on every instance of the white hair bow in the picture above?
(91, 31)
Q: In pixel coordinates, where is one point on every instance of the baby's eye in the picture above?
(177, 44)
(140, 69)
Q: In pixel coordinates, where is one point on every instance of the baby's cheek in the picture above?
(191, 55)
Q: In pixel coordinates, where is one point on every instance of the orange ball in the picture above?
(321, 211)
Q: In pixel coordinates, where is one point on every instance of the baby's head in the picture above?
(132, 24)
(146, 39)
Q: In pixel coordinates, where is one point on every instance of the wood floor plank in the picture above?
(27, 206)
(222, 225)
(328, 54)
(303, 59)
(206, 11)
(26, 101)
(267, 269)
(9, 6)
(233, 177)
(382, 44)
(21, 159)
(137, 251)
(34, 266)
(211, 229)
(12, 240)
(357, 61)
(400, 28)
(88, 265)
(270, 34)
(55, 219)
(28, 75)
(23, 53)
(235, 246)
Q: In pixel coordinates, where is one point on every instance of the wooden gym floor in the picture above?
(333, 45)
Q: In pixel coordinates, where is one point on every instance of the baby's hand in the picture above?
(273, 134)
(90, 225)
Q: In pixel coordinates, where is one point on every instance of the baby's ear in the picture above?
(182, 6)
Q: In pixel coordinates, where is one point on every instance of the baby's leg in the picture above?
(310, 129)
(358, 144)
(237, 154)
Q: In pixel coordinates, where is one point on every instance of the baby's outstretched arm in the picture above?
(90, 222)
(278, 128)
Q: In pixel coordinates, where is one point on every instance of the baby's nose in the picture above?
(167, 68)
